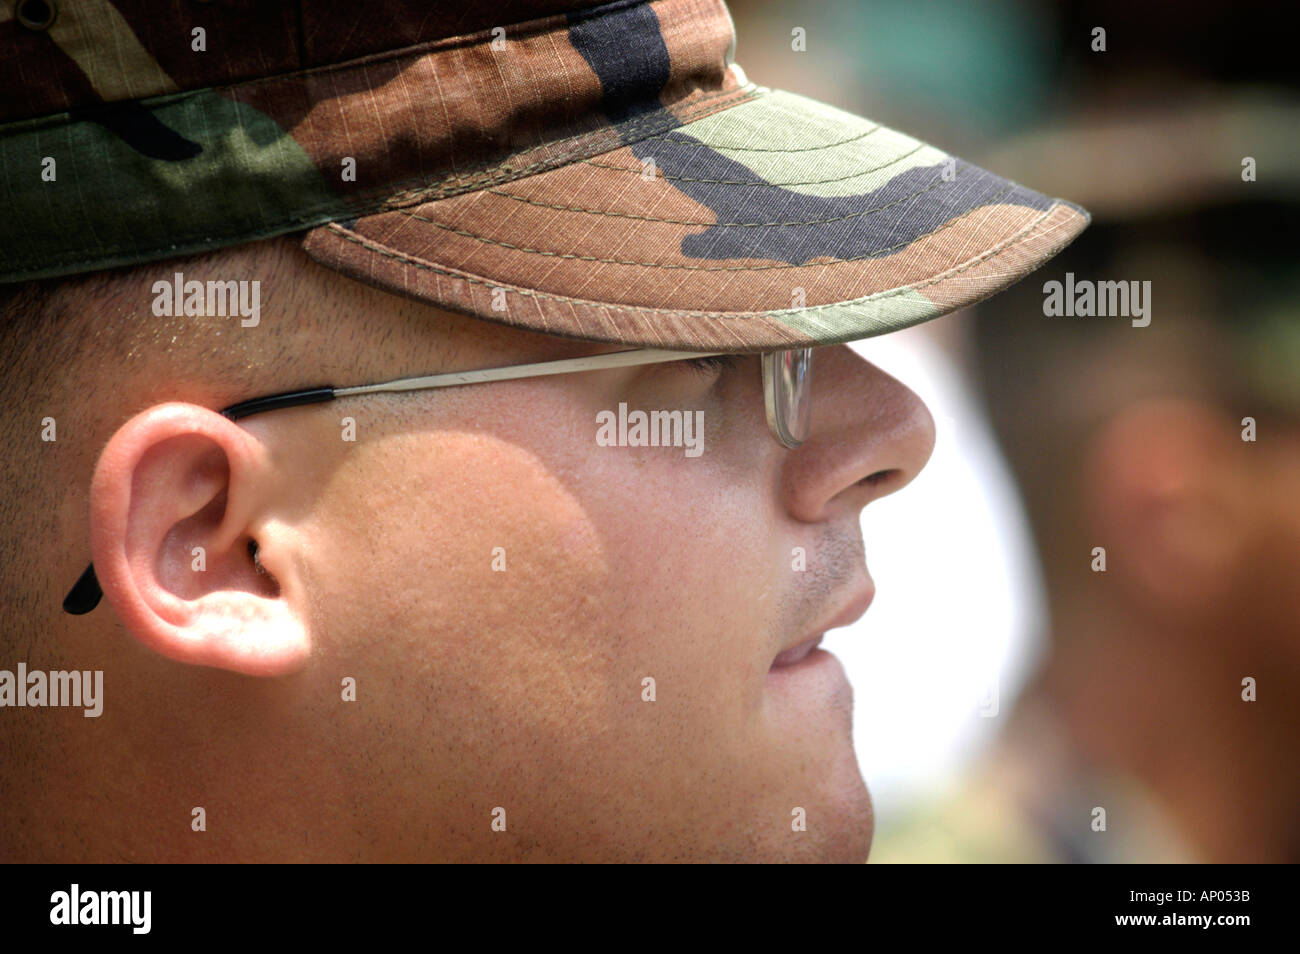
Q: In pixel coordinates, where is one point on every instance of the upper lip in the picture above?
(847, 612)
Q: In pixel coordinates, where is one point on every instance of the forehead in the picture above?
(370, 330)
(315, 327)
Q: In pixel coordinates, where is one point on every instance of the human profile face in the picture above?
(606, 649)
(475, 629)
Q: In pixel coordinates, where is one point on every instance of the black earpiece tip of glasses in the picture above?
(276, 401)
(84, 595)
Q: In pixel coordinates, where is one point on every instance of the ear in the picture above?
(179, 477)
(1172, 504)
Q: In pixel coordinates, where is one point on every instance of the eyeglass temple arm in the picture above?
(86, 593)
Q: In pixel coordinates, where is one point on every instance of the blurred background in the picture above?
(1085, 645)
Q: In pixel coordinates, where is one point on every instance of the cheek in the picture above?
(507, 604)
(691, 588)
(561, 582)
(467, 587)
(691, 553)
(459, 548)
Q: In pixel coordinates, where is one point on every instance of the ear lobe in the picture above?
(179, 504)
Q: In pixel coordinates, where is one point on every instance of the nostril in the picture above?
(879, 477)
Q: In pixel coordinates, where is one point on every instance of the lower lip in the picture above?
(815, 680)
(796, 654)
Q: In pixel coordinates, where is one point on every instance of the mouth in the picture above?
(788, 657)
(807, 646)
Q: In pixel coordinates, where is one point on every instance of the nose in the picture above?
(870, 436)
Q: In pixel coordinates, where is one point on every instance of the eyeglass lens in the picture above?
(787, 384)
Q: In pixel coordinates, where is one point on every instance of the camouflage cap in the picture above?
(603, 172)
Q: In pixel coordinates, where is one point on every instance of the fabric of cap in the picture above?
(599, 172)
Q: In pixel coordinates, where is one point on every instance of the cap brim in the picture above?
(779, 222)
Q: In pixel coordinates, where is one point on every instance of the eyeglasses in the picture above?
(787, 390)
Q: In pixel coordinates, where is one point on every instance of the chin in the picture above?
(856, 825)
(848, 825)
(841, 824)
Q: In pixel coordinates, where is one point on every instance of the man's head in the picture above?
(499, 587)
(454, 623)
